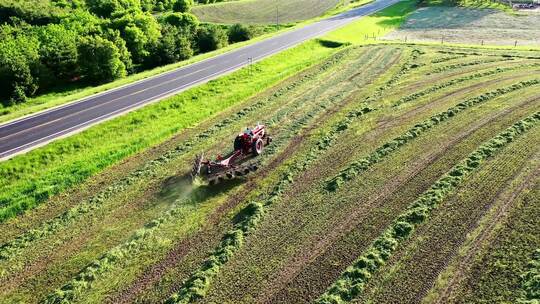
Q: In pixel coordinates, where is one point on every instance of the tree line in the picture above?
(50, 43)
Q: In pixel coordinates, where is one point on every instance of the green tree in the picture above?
(186, 21)
(105, 8)
(125, 55)
(211, 37)
(174, 45)
(183, 6)
(58, 50)
(99, 60)
(140, 30)
(19, 67)
(83, 23)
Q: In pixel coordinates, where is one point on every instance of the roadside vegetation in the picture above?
(51, 46)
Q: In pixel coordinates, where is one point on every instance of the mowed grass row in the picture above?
(197, 285)
(263, 11)
(377, 199)
(410, 274)
(498, 270)
(353, 280)
(175, 275)
(228, 285)
(338, 94)
(285, 113)
(305, 107)
(32, 178)
(148, 171)
(98, 239)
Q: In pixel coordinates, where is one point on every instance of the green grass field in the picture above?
(263, 11)
(469, 26)
(140, 229)
(398, 172)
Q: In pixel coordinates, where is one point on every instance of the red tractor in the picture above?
(247, 145)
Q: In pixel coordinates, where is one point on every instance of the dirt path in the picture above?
(322, 243)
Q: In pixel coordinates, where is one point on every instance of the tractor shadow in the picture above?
(178, 187)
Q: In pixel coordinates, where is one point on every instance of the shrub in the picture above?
(182, 6)
(19, 68)
(239, 32)
(188, 22)
(211, 37)
(173, 46)
(105, 8)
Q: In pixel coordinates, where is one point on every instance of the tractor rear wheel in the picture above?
(258, 146)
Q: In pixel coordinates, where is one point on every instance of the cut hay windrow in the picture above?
(73, 290)
(506, 54)
(83, 281)
(13, 247)
(356, 167)
(459, 80)
(467, 64)
(410, 63)
(531, 281)
(197, 285)
(445, 59)
(353, 280)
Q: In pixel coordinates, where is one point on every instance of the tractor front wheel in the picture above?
(258, 146)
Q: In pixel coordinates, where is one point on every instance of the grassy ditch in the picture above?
(353, 280)
(32, 178)
(356, 167)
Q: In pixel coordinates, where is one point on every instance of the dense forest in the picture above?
(45, 44)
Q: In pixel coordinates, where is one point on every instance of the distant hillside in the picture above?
(263, 11)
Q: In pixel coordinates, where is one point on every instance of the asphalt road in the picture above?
(27, 133)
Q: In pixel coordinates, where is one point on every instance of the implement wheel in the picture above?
(258, 146)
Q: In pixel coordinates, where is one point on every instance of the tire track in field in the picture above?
(486, 233)
(321, 244)
(152, 275)
(432, 255)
